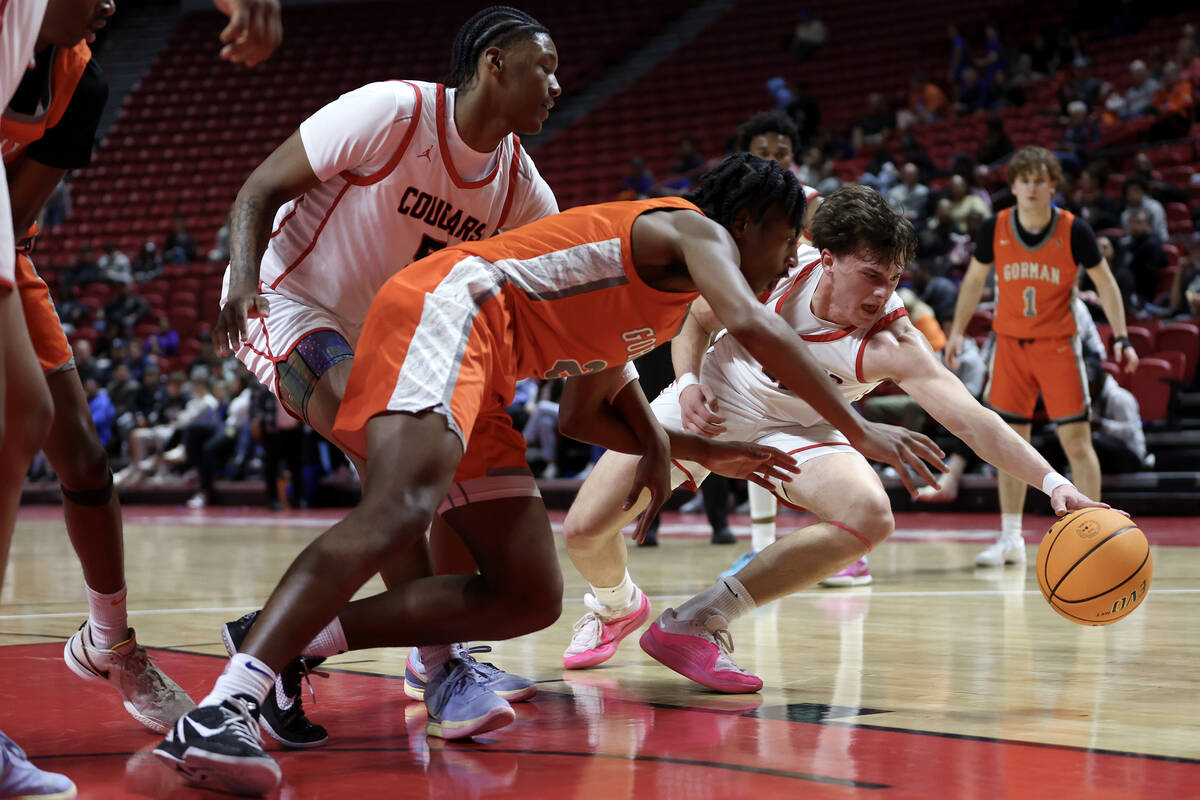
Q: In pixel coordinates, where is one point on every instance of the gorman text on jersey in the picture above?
(1032, 271)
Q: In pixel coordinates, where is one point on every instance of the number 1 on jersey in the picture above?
(1030, 295)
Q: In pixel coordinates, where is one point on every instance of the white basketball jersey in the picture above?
(838, 351)
(393, 190)
(20, 21)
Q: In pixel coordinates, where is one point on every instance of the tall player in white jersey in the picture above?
(377, 179)
(841, 303)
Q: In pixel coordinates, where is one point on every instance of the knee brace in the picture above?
(311, 358)
(92, 498)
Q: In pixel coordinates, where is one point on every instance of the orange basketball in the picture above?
(1094, 566)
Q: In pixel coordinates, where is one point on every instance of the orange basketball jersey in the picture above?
(1034, 284)
(17, 131)
(577, 303)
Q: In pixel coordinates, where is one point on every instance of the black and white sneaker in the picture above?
(282, 712)
(221, 745)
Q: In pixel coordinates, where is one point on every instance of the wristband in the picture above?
(1052, 481)
(686, 380)
(1123, 341)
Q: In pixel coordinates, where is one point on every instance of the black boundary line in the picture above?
(754, 714)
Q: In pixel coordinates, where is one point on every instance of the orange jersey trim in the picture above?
(65, 74)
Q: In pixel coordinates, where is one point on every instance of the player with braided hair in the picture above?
(576, 295)
(380, 177)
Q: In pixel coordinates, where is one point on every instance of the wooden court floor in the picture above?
(937, 681)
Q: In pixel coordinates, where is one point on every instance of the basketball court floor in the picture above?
(939, 680)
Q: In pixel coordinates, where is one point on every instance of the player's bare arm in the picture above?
(902, 354)
(968, 300)
(1114, 310)
(30, 185)
(285, 174)
(255, 29)
(697, 402)
(712, 260)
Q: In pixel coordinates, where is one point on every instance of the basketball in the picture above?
(1094, 566)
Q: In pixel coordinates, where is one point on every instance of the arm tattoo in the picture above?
(247, 241)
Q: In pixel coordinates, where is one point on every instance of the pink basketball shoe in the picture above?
(699, 651)
(857, 574)
(596, 637)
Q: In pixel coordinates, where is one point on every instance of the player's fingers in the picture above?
(643, 528)
(922, 469)
(761, 481)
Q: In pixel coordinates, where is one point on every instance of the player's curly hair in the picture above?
(854, 219)
(746, 181)
(1032, 160)
(495, 26)
(768, 122)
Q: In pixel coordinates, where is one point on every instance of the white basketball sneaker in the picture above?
(1008, 549)
(149, 695)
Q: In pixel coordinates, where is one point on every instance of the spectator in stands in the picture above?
(1185, 289)
(1174, 105)
(1071, 51)
(85, 270)
(1043, 59)
(210, 443)
(85, 363)
(179, 247)
(996, 143)
(1077, 84)
(910, 197)
(926, 102)
(937, 237)
(282, 441)
(1188, 58)
(147, 266)
(809, 35)
(159, 405)
(1100, 210)
(963, 201)
(123, 392)
(1135, 193)
(542, 428)
(915, 154)
(103, 413)
(637, 182)
(829, 181)
(114, 266)
(1117, 434)
(1157, 188)
(1144, 257)
(773, 135)
(809, 172)
(1022, 71)
(874, 126)
(973, 94)
(72, 313)
(220, 251)
(1081, 133)
(58, 206)
(1139, 97)
(994, 59)
(166, 340)
(125, 309)
(688, 160)
(960, 55)
(146, 400)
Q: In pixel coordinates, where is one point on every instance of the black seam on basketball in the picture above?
(1097, 546)
(1049, 548)
(1117, 586)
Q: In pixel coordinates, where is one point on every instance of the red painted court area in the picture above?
(583, 738)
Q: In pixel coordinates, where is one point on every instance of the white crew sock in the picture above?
(762, 517)
(433, 658)
(244, 674)
(107, 617)
(331, 641)
(727, 597)
(1010, 526)
(617, 598)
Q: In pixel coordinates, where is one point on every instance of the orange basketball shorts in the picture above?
(442, 351)
(45, 330)
(1023, 368)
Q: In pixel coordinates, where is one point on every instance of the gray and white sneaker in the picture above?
(150, 697)
(1006, 550)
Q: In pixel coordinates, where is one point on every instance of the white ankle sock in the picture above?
(619, 597)
(432, 658)
(763, 506)
(331, 641)
(244, 674)
(107, 617)
(727, 597)
(1010, 526)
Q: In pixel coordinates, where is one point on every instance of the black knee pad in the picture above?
(92, 498)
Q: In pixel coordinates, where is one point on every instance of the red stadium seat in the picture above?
(1176, 359)
(1141, 339)
(1152, 387)
(1183, 337)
